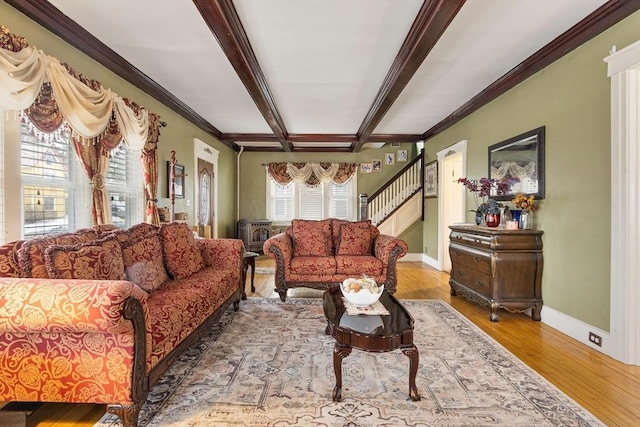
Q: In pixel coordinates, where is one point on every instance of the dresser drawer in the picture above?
(472, 278)
(478, 260)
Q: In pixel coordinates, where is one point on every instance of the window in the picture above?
(54, 189)
(53, 202)
(297, 200)
(124, 182)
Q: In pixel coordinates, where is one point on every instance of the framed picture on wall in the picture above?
(389, 158)
(366, 167)
(431, 179)
(376, 165)
(179, 183)
(402, 155)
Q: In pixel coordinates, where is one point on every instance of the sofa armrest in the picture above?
(223, 254)
(388, 248)
(279, 247)
(59, 305)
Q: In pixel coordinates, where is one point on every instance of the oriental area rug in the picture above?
(271, 364)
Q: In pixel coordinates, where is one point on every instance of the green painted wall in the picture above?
(571, 97)
(253, 180)
(178, 135)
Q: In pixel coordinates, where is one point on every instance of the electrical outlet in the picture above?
(596, 339)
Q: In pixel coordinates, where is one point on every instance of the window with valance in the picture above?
(311, 191)
(53, 95)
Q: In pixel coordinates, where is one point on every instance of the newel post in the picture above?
(364, 207)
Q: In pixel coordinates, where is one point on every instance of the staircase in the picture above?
(398, 204)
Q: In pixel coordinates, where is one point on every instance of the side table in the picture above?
(249, 259)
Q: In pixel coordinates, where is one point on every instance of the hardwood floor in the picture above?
(608, 389)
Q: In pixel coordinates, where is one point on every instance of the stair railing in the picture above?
(392, 195)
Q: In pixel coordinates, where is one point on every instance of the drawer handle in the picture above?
(477, 259)
(480, 283)
(460, 273)
(458, 253)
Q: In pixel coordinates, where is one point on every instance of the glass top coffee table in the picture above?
(374, 333)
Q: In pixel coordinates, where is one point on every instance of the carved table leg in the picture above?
(339, 353)
(414, 359)
(253, 273)
(245, 265)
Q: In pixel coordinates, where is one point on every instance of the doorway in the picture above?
(451, 203)
(206, 188)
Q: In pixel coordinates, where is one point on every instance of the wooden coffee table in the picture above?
(393, 331)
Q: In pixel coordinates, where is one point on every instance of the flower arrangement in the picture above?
(481, 190)
(520, 201)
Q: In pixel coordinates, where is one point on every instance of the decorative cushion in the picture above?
(103, 229)
(311, 238)
(311, 243)
(143, 262)
(138, 231)
(337, 223)
(182, 256)
(9, 265)
(98, 260)
(354, 239)
(31, 254)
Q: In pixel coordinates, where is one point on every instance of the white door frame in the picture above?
(459, 147)
(204, 151)
(624, 71)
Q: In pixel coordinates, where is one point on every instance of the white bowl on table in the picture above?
(361, 292)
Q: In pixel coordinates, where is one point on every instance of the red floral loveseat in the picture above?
(98, 315)
(319, 254)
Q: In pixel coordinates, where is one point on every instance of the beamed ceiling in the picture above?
(325, 75)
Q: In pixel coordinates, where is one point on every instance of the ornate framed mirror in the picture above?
(520, 157)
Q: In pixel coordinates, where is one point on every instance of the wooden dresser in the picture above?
(497, 268)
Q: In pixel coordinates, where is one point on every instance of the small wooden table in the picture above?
(396, 331)
(249, 259)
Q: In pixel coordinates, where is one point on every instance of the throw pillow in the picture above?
(31, 254)
(143, 262)
(311, 243)
(354, 239)
(337, 223)
(311, 238)
(97, 260)
(182, 256)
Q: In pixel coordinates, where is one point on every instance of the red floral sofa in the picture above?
(318, 254)
(98, 315)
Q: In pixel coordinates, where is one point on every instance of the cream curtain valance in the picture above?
(87, 110)
(311, 174)
(52, 95)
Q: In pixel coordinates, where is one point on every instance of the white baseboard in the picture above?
(575, 328)
(411, 257)
(421, 258)
(564, 323)
(432, 262)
